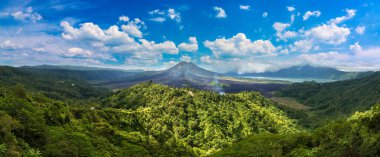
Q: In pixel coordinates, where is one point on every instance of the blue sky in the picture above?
(221, 35)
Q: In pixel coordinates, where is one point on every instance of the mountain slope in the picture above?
(203, 121)
(54, 83)
(309, 72)
(144, 120)
(92, 74)
(337, 98)
(358, 135)
(181, 75)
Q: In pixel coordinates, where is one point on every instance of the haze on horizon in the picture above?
(224, 36)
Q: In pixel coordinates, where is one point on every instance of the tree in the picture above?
(20, 91)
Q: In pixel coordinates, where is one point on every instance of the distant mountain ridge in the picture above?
(309, 71)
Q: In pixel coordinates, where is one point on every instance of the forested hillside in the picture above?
(359, 135)
(145, 120)
(201, 120)
(339, 98)
(54, 113)
(54, 84)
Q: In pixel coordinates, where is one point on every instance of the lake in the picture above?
(290, 79)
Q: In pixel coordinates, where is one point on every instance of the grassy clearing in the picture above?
(289, 102)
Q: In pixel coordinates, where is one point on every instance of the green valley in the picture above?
(47, 112)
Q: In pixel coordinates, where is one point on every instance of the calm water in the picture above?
(291, 79)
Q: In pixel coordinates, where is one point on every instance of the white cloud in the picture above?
(265, 14)
(360, 60)
(328, 59)
(279, 27)
(156, 12)
(281, 33)
(356, 47)
(112, 40)
(191, 46)
(284, 51)
(370, 55)
(360, 30)
(330, 34)
(287, 35)
(158, 19)
(220, 13)
(292, 18)
(171, 13)
(290, 8)
(123, 18)
(77, 52)
(301, 46)
(350, 14)
(206, 59)
(26, 15)
(9, 45)
(308, 14)
(133, 28)
(244, 7)
(174, 15)
(87, 31)
(167, 47)
(185, 58)
(39, 49)
(239, 45)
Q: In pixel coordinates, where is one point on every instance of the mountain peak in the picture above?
(190, 68)
(184, 63)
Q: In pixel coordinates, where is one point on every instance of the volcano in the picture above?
(187, 74)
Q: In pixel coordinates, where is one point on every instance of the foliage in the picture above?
(43, 114)
(54, 84)
(358, 135)
(145, 120)
(33, 153)
(200, 120)
(341, 98)
(3, 148)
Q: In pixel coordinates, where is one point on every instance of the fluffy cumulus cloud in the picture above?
(239, 45)
(220, 13)
(244, 7)
(360, 60)
(301, 46)
(206, 59)
(113, 40)
(279, 27)
(281, 34)
(191, 46)
(328, 33)
(123, 18)
(24, 15)
(360, 30)
(185, 58)
(309, 14)
(77, 52)
(133, 27)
